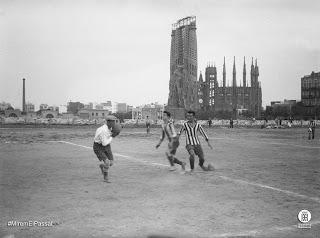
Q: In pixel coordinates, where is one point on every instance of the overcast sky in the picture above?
(94, 51)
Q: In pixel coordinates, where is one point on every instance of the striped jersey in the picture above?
(192, 133)
(312, 124)
(168, 130)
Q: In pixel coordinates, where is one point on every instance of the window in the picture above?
(96, 114)
(92, 114)
(103, 114)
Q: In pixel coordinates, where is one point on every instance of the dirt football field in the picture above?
(51, 185)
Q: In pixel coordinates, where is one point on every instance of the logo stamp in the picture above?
(304, 216)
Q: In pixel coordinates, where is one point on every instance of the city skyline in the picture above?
(78, 50)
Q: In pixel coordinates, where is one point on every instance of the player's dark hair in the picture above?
(168, 113)
(191, 112)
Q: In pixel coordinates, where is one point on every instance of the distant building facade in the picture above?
(98, 107)
(54, 108)
(114, 107)
(129, 108)
(74, 107)
(137, 113)
(49, 113)
(93, 113)
(224, 98)
(32, 115)
(275, 104)
(122, 107)
(284, 108)
(29, 107)
(310, 92)
(62, 109)
(44, 106)
(183, 85)
(4, 106)
(12, 113)
(88, 106)
(153, 111)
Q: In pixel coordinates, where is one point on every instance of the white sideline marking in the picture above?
(301, 146)
(315, 199)
(266, 142)
(240, 233)
(120, 155)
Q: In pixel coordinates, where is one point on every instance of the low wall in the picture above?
(142, 123)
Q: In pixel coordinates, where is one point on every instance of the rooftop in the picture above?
(312, 75)
(184, 22)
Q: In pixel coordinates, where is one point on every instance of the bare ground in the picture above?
(59, 182)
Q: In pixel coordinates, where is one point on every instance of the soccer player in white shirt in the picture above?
(102, 146)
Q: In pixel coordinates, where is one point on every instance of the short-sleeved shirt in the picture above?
(103, 135)
(168, 130)
(312, 124)
(192, 133)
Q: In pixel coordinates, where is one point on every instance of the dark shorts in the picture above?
(173, 146)
(197, 150)
(102, 152)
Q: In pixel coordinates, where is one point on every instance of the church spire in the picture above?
(252, 73)
(234, 89)
(200, 78)
(224, 72)
(256, 70)
(244, 78)
(234, 78)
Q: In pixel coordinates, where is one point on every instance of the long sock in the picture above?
(170, 160)
(105, 175)
(175, 160)
(191, 159)
(201, 162)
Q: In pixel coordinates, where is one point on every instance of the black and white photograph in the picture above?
(160, 119)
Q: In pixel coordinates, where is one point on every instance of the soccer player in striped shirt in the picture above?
(193, 146)
(169, 131)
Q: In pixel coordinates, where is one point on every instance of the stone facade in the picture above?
(48, 113)
(12, 113)
(231, 98)
(29, 107)
(93, 113)
(153, 113)
(183, 85)
(310, 92)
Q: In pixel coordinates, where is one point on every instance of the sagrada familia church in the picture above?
(186, 92)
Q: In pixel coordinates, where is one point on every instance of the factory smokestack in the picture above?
(24, 96)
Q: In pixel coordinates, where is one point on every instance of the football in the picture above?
(116, 128)
(210, 167)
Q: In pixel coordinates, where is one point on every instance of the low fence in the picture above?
(142, 123)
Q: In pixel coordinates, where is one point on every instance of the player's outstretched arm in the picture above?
(161, 139)
(209, 145)
(158, 145)
(181, 130)
(203, 133)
